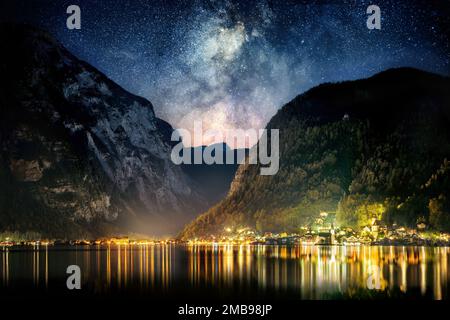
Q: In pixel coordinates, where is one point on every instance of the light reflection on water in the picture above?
(309, 271)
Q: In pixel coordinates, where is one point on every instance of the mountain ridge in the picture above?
(347, 146)
(214, 180)
(81, 156)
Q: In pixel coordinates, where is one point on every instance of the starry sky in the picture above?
(233, 64)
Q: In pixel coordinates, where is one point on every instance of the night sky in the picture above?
(234, 64)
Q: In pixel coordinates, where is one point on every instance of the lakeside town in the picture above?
(321, 232)
(324, 232)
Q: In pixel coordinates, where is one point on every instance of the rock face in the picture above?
(373, 148)
(79, 154)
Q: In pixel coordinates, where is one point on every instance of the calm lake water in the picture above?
(306, 272)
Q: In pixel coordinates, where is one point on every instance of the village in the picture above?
(322, 232)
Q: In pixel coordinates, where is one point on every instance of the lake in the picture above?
(300, 272)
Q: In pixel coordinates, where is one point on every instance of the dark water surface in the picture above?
(302, 272)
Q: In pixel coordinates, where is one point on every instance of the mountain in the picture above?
(372, 148)
(79, 155)
(213, 180)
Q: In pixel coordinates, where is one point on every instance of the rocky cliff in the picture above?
(80, 156)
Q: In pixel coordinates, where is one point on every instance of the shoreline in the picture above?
(105, 246)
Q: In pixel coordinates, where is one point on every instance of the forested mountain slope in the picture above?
(371, 148)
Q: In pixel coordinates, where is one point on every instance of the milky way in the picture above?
(233, 64)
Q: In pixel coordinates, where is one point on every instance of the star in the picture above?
(233, 64)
